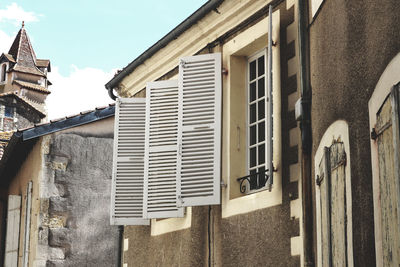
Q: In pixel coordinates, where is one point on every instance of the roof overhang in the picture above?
(172, 35)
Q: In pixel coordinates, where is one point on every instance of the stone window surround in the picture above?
(234, 146)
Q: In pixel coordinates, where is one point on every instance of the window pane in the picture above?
(261, 154)
(261, 87)
(252, 70)
(253, 134)
(8, 112)
(261, 109)
(261, 131)
(261, 177)
(253, 91)
(253, 156)
(253, 113)
(261, 66)
(253, 179)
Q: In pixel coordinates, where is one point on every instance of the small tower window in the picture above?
(3, 72)
(9, 112)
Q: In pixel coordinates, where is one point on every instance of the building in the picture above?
(23, 86)
(334, 198)
(253, 221)
(55, 193)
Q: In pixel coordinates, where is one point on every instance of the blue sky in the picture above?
(88, 40)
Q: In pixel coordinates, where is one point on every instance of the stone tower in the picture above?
(23, 87)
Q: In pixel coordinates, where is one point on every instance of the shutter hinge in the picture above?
(319, 180)
(182, 63)
(180, 202)
(374, 135)
(223, 184)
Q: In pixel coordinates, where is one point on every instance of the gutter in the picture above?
(306, 135)
(172, 35)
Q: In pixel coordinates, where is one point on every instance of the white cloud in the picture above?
(6, 42)
(16, 14)
(82, 90)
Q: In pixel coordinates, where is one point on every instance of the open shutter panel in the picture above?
(161, 150)
(324, 182)
(200, 130)
(12, 234)
(338, 204)
(128, 163)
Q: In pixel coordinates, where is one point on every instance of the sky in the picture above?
(87, 41)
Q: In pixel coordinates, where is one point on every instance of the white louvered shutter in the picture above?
(128, 162)
(161, 150)
(199, 130)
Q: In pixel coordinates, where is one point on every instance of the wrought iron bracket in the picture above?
(241, 180)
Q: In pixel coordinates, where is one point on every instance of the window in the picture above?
(256, 111)
(8, 112)
(3, 73)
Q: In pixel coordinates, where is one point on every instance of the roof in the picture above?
(22, 52)
(43, 63)
(22, 141)
(24, 101)
(63, 123)
(172, 35)
(9, 57)
(33, 86)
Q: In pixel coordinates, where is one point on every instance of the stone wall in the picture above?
(74, 228)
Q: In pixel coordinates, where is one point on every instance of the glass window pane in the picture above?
(261, 87)
(261, 66)
(253, 95)
(253, 179)
(261, 154)
(252, 70)
(253, 113)
(253, 134)
(261, 177)
(253, 156)
(261, 131)
(261, 109)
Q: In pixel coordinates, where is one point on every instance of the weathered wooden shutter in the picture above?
(337, 158)
(12, 235)
(128, 162)
(200, 130)
(388, 151)
(161, 150)
(324, 184)
(332, 184)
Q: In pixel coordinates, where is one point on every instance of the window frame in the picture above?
(254, 57)
(3, 73)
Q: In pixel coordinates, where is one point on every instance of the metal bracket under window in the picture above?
(256, 181)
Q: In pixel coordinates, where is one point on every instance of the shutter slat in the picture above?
(128, 167)
(161, 150)
(199, 130)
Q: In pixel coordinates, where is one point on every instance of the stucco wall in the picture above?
(351, 43)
